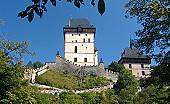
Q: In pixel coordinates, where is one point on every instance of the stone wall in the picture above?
(69, 67)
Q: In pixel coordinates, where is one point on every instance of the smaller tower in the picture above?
(136, 62)
(101, 64)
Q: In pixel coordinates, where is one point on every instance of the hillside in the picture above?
(67, 81)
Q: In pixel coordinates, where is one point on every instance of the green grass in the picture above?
(58, 79)
(67, 81)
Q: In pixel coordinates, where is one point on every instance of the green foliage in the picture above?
(161, 73)
(114, 66)
(14, 50)
(94, 81)
(90, 97)
(39, 7)
(70, 98)
(29, 65)
(153, 15)
(13, 89)
(156, 87)
(109, 97)
(127, 86)
(153, 95)
(101, 6)
(159, 76)
(37, 64)
(46, 98)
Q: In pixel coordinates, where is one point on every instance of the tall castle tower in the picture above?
(79, 45)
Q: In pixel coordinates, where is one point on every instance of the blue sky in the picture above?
(45, 35)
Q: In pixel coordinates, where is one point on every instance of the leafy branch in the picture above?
(39, 7)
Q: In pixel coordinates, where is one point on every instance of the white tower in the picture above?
(79, 45)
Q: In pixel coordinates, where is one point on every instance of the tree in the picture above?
(126, 86)
(29, 65)
(90, 97)
(152, 95)
(153, 15)
(70, 98)
(109, 97)
(13, 88)
(37, 64)
(39, 7)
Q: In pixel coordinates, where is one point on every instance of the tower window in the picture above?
(89, 40)
(142, 66)
(75, 59)
(84, 40)
(79, 34)
(75, 49)
(143, 72)
(76, 41)
(86, 34)
(85, 59)
(72, 34)
(130, 65)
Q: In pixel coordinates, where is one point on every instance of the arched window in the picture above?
(84, 40)
(75, 49)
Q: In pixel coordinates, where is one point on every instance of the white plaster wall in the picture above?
(70, 38)
(80, 58)
(81, 47)
(96, 58)
(137, 70)
(84, 49)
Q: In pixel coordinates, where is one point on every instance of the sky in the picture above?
(45, 35)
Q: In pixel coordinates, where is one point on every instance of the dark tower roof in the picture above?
(80, 22)
(132, 53)
(79, 26)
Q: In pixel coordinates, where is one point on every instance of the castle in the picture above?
(81, 56)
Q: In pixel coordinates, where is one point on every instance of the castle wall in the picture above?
(64, 65)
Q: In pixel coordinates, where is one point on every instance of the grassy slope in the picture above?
(67, 81)
(58, 79)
